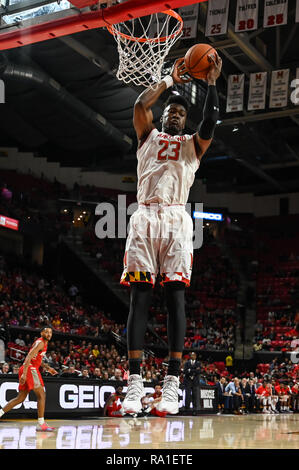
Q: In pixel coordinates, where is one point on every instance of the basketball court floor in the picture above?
(200, 432)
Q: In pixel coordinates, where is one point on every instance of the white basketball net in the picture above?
(143, 45)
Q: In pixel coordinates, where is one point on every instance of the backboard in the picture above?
(24, 22)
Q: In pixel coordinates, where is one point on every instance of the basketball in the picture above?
(197, 61)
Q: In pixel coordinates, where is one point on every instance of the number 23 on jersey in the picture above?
(169, 150)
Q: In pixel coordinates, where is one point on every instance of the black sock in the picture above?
(174, 366)
(134, 366)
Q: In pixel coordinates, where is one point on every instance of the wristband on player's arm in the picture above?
(210, 114)
(168, 80)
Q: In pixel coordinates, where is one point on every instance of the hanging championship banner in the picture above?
(279, 88)
(189, 15)
(217, 17)
(235, 93)
(275, 13)
(246, 15)
(257, 91)
(297, 11)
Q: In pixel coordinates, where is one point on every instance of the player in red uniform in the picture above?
(295, 397)
(31, 379)
(283, 391)
(151, 405)
(113, 406)
(266, 397)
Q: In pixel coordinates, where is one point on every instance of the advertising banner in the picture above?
(79, 397)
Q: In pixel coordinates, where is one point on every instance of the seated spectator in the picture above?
(229, 362)
(257, 346)
(271, 398)
(246, 393)
(105, 375)
(252, 398)
(221, 389)
(117, 375)
(233, 397)
(84, 374)
(261, 394)
(283, 393)
(97, 373)
(295, 398)
(4, 369)
(95, 351)
(70, 372)
(53, 362)
(148, 376)
(15, 369)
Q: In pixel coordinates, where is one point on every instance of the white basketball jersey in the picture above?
(166, 168)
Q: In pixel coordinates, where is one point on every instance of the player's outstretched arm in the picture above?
(49, 369)
(205, 133)
(143, 115)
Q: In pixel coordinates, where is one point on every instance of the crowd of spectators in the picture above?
(28, 300)
(211, 300)
(27, 198)
(277, 300)
(270, 388)
(254, 394)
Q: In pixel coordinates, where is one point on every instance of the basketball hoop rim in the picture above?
(172, 13)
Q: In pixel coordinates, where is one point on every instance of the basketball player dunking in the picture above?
(31, 379)
(167, 162)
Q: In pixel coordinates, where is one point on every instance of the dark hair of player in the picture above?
(177, 99)
(45, 328)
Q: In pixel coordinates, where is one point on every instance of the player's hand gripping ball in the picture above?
(199, 59)
(179, 72)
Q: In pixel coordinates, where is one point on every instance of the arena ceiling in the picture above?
(256, 152)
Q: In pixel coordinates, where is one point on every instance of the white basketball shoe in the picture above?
(132, 402)
(170, 402)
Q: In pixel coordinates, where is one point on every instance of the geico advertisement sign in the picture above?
(6, 388)
(73, 396)
(65, 396)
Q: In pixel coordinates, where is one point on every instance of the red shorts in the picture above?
(114, 411)
(33, 379)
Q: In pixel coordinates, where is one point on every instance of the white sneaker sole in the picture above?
(167, 410)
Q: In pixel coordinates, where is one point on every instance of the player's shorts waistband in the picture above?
(157, 205)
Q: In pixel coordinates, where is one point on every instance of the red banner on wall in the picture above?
(13, 224)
